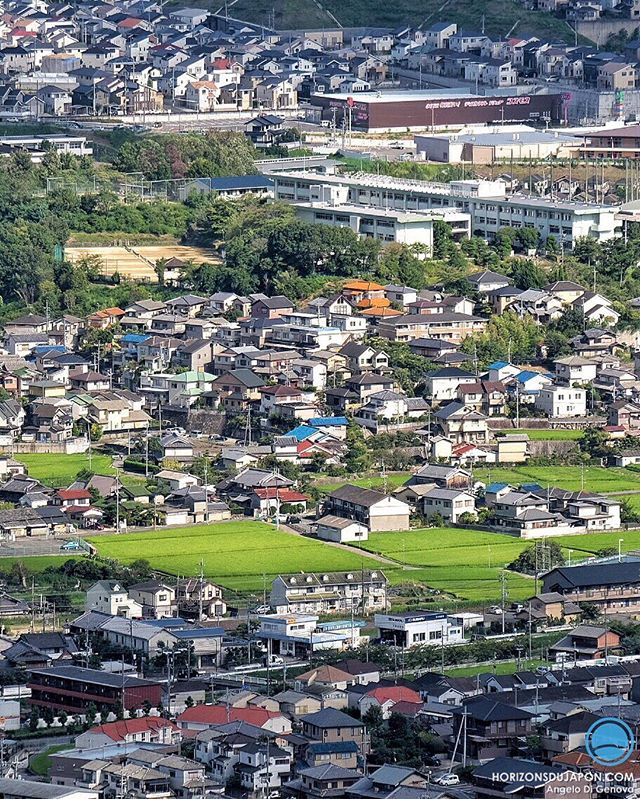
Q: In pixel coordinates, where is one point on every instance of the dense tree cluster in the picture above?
(190, 155)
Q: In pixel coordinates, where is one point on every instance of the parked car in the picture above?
(274, 660)
(448, 780)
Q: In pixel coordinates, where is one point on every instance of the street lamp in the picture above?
(620, 542)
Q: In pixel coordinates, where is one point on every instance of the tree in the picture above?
(627, 513)
(442, 239)
(539, 557)
(594, 442)
(528, 238)
(504, 240)
(527, 275)
(34, 718)
(358, 457)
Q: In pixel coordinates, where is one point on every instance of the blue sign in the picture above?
(610, 741)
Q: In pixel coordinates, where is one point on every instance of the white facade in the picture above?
(561, 401)
(485, 201)
(112, 598)
(419, 628)
(449, 503)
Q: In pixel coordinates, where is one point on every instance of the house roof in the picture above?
(366, 497)
(215, 715)
(119, 730)
(330, 717)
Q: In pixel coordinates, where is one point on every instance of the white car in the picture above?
(448, 780)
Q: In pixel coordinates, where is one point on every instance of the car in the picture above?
(262, 609)
(496, 609)
(274, 660)
(396, 145)
(447, 780)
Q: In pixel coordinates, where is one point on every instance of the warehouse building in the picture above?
(437, 108)
(490, 145)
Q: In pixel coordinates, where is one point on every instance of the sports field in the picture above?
(136, 262)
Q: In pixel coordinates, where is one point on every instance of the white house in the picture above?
(109, 596)
(450, 503)
(443, 384)
(335, 528)
(561, 401)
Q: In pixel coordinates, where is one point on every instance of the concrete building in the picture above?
(561, 402)
(418, 628)
(329, 206)
(485, 201)
(486, 145)
(329, 592)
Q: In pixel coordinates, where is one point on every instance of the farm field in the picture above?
(59, 470)
(240, 555)
(549, 435)
(374, 481)
(243, 556)
(596, 478)
(35, 563)
(134, 263)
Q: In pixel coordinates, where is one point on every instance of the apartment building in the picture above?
(331, 592)
(611, 586)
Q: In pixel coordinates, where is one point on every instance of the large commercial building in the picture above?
(399, 110)
(484, 200)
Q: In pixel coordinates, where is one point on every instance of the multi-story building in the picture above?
(376, 510)
(73, 689)
(485, 201)
(611, 586)
(331, 592)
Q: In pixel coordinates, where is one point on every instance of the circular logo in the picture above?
(609, 741)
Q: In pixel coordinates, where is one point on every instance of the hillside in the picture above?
(499, 15)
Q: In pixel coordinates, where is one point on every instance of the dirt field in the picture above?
(136, 263)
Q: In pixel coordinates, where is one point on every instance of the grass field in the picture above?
(545, 434)
(60, 470)
(596, 478)
(236, 554)
(41, 763)
(496, 16)
(505, 667)
(35, 563)
(245, 556)
(376, 481)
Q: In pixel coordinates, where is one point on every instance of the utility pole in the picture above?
(504, 592)
(201, 591)
(117, 501)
